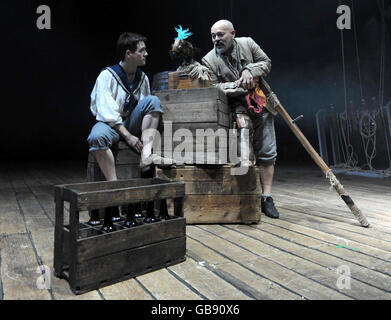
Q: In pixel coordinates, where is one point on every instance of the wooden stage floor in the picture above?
(293, 258)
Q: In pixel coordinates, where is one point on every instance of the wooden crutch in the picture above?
(272, 98)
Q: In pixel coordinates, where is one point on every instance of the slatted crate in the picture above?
(90, 259)
(215, 196)
(191, 110)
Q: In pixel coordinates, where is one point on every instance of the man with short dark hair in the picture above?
(124, 108)
(236, 65)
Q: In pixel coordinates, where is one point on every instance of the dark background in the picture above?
(48, 75)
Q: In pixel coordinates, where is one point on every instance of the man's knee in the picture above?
(98, 142)
(102, 137)
(153, 100)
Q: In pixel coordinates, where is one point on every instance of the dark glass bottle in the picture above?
(94, 218)
(115, 215)
(150, 217)
(163, 214)
(138, 212)
(108, 222)
(131, 220)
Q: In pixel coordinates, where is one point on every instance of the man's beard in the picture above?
(222, 48)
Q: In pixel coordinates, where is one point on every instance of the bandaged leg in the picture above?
(245, 139)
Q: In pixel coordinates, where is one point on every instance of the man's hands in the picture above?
(131, 140)
(135, 143)
(247, 81)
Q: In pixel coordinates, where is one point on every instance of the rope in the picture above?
(368, 134)
(381, 6)
(357, 51)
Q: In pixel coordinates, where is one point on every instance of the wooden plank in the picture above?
(206, 282)
(101, 271)
(41, 229)
(130, 239)
(345, 223)
(191, 95)
(217, 181)
(322, 196)
(108, 185)
(206, 209)
(327, 225)
(283, 252)
(244, 279)
(190, 129)
(164, 286)
(321, 252)
(313, 229)
(299, 225)
(103, 199)
(19, 269)
(273, 270)
(206, 112)
(129, 290)
(329, 206)
(11, 221)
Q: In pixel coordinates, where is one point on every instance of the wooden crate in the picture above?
(214, 196)
(90, 259)
(191, 110)
(180, 80)
(126, 164)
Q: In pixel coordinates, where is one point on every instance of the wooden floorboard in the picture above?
(293, 258)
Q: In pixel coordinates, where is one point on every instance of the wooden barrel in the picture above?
(160, 81)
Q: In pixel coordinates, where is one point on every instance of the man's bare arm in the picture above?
(130, 139)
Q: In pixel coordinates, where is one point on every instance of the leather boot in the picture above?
(269, 209)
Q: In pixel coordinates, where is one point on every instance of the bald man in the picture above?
(236, 65)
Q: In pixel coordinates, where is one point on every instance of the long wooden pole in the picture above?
(272, 98)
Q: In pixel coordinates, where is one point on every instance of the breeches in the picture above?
(102, 136)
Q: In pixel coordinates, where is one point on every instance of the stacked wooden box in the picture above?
(215, 196)
(194, 112)
(213, 193)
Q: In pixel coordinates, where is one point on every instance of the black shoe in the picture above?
(269, 209)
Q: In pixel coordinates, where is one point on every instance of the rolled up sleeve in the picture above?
(103, 105)
(231, 89)
(262, 64)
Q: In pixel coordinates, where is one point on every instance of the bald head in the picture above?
(223, 35)
(225, 24)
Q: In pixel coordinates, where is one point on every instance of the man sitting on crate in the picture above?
(124, 108)
(236, 65)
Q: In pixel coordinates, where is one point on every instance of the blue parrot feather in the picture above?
(182, 34)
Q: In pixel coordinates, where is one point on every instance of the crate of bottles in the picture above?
(91, 256)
